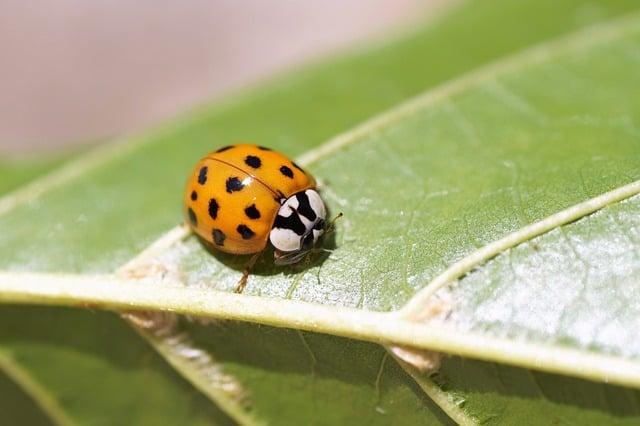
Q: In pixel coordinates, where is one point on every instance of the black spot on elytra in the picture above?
(234, 184)
(286, 171)
(194, 195)
(298, 167)
(213, 208)
(291, 222)
(202, 175)
(245, 231)
(192, 217)
(304, 206)
(218, 237)
(252, 161)
(224, 148)
(252, 212)
(319, 225)
(264, 148)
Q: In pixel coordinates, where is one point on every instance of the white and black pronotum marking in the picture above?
(298, 226)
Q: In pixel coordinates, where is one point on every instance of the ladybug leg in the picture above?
(245, 273)
(307, 259)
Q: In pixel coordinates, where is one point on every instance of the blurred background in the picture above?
(75, 72)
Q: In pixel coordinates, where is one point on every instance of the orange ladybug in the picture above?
(242, 197)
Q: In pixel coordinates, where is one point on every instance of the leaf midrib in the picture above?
(388, 328)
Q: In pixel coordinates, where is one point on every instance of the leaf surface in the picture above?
(14, 172)
(111, 212)
(94, 367)
(577, 286)
(495, 394)
(458, 169)
(18, 406)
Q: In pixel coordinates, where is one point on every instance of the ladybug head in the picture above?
(298, 226)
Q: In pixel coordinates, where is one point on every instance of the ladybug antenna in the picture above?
(332, 225)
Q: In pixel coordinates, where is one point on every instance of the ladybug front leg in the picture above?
(247, 270)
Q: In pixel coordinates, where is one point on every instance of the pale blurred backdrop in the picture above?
(75, 71)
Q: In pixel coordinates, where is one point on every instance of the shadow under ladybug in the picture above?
(270, 261)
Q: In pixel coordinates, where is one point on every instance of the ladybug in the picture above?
(242, 197)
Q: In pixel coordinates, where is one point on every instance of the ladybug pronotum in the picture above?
(242, 197)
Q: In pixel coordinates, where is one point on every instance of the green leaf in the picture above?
(55, 361)
(90, 366)
(496, 394)
(575, 286)
(112, 211)
(17, 172)
(422, 186)
(306, 377)
(17, 405)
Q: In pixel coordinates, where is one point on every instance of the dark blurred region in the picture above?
(74, 71)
